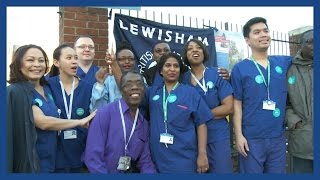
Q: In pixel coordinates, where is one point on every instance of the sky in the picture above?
(40, 25)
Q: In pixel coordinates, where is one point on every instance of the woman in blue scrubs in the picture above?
(72, 97)
(27, 70)
(217, 93)
(178, 117)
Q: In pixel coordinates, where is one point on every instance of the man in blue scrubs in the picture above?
(260, 92)
(85, 49)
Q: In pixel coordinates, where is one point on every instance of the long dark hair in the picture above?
(15, 74)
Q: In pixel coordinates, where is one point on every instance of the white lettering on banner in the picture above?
(121, 25)
(149, 33)
(134, 29)
(144, 59)
(168, 33)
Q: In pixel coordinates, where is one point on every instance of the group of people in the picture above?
(171, 119)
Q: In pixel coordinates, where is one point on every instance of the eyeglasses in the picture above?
(123, 59)
(85, 46)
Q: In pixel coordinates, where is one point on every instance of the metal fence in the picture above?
(280, 44)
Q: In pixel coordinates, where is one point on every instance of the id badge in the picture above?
(70, 134)
(124, 163)
(269, 105)
(166, 138)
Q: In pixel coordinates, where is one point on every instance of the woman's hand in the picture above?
(84, 122)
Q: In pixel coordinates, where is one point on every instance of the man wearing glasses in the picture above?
(85, 50)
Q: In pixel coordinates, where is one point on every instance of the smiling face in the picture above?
(259, 37)
(33, 64)
(132, 88)
(194, 53)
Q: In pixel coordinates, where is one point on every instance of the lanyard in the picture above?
(203, 85)
(165, 104)
(68, 110)
(264, 80)
(124, 128)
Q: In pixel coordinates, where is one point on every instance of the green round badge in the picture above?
(156, 97)
(172, 98)
(39, 102)
(276, 112)
(210, 84)
(292, 79)
(80, 111)
(278, 69)
(259, 79)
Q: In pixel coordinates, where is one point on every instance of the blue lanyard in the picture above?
(264, 80)
(165, 104)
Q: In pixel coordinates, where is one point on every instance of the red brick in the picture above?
(84, 31)
(102, 11)
(103, 32)
(76, 9)
(100, 54)
(74, 23)
(100, 40)
(84, 17)
(97, 25)
(69, 15)
(102, 47)
(69, 38)
(103, 18)
(69, 30)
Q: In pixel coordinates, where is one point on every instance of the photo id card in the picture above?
(124, 163)
(70, 134)
(269, 105)
(166, 138)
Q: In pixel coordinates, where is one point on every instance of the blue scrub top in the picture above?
(249, 88)
(46, 144)
(158, 80)
(90, 76)
(185, 113)
(218, 89)
(70, 150)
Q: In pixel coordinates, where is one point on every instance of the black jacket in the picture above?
(149, 74)
(21, 131)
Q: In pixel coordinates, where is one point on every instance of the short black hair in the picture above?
(158, 42)
(124, 75)
(252, 21)
(122, 46)
(202, 46)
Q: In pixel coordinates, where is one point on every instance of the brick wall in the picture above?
(77, 21)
